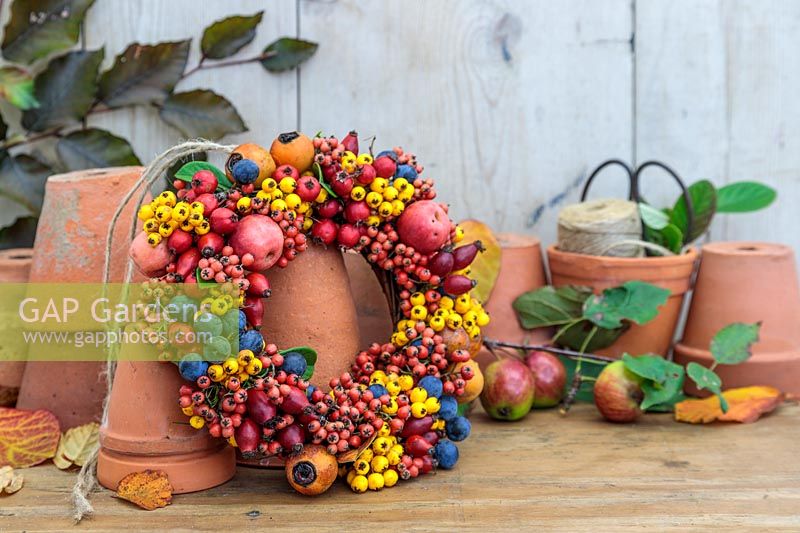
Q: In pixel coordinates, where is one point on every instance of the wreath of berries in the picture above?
(399, 411)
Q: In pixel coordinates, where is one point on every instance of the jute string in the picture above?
(597, 227)
(87, 477)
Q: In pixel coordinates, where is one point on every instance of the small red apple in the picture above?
(550, 377)
(425, 226)
(617, 393)
(508, 389)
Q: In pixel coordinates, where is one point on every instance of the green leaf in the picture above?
(663, 380)
(95, 148)
(22, 180)
(16, 86)
(322, 182)
(636, 301)
(65, 90)
(287, 53)
(744, 196)
(708, 380)
(11, 212)
(704, 205)
(732, 344)
(187, 171)
(227, 36)
(574, 336)
(652, 217)
(38, 28)
(550, 306)
(144, 74)
(670, 237)
(20, 234)
(201, 113)
(310, 356)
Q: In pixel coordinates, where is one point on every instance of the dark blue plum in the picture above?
(432, 385)
(192, 366)
(245, 171)
(446, 454)
(378, 390)
(406, 171)
(294, 363)
(448, 408)
(458, 428)
(251, 340)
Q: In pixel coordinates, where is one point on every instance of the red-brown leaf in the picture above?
(27, 438)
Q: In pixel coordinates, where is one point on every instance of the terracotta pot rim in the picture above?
(626, 262)
(683, 350)
(83, 175)
(16, 255)
(748, 249)
(513, 240)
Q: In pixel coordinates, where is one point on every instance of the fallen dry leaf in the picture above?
(27, 437)
(149, 490)
(76, 445)
(486, 266)
(10, 481)
(745, 404)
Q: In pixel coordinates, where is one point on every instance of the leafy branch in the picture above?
(57, 87)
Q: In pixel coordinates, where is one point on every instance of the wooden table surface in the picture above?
(544, 473)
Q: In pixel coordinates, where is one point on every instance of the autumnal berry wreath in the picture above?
(399, 411)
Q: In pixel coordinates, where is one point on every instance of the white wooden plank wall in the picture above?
(508, 103)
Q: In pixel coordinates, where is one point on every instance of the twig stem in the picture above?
(491, 343)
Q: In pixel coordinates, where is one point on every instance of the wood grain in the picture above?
(544, 473)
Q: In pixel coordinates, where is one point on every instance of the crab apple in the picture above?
(285, 171)
(308, 188)
(223, 221)
(179, 241)
(151, 261)
(348, 235)
(255, 153)
(550, 377)
(343, 186)
(508, 390)
(424, 225)
(618, 393)
(355, 212)
(259, 285)
(330, 208)
(209, 201)
(204, 181)
(210, 244)
(366, 175)
(261, 237)
(293, 148)
(385, 166)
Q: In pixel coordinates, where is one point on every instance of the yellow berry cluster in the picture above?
(375, 468)
(387, 198)
(461, 312)
(281, 197)
(243, 366)
(165, 214)
(221, 301)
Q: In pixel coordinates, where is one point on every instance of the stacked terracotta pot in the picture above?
(15, 265)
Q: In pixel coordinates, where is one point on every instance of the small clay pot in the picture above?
(521, 270)
(15, 265)
(600, 272)
(747, 282)
(69, 248)
(312, 305)
(374, 318)
(146, 429)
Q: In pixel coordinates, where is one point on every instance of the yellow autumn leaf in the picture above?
(149, 490)
(76, 445)
(486, 266)
(745, 404)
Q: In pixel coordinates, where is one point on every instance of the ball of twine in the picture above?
(601, 227)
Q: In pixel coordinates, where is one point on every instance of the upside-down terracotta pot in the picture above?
(600, 272)
(374, 318)
(145, 429)
(15, 265)
(69, 248)
(747, 282)
(521, 270)
(312, 305)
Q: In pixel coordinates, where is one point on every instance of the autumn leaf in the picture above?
(149, 490)
(486, 266)
(745, 404)
(27, 437)
(10, 481)
(76, 445)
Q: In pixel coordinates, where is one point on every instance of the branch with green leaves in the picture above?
(57, 88)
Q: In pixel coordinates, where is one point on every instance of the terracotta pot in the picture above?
(374, 319)
(69, 248)
(521, 270)
(311, 305)
(600, 272)
(747, 282)
(15, 265)
(147, 430)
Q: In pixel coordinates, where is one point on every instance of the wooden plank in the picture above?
(507, 104)
(562, 474)
(716, 99)
(267, 102)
